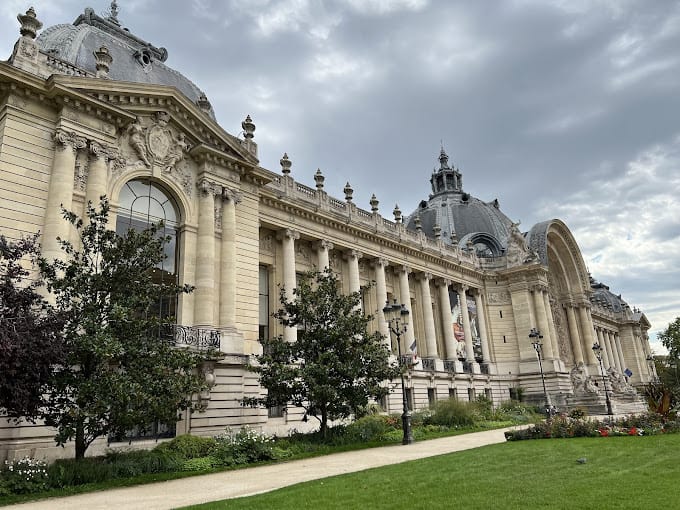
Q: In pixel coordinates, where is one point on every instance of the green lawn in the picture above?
(619, 473)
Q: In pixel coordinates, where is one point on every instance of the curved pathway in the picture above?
(255, 480)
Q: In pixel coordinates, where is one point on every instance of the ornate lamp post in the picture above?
(397, 317)
(597, 349)
(536, 336)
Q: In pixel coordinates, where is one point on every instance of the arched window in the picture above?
(142, 203)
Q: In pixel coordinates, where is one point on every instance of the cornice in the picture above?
(384, 240)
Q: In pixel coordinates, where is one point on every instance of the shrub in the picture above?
(199, 464)
(134, 463)
(69, 472)
(453, 413)
(578, 413)
(187, 446)
(23, 476)
(369, 428)
(243, 447)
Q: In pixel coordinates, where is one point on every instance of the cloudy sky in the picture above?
(559, 108)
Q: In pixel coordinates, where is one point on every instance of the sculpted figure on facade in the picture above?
(580, 381)
(618, 382)
(137, 141)
(517, 251)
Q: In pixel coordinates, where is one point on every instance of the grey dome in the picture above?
(134, 59)
(455, 212)
(604, 297)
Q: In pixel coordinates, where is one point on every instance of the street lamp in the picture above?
(397, 317)
(597, 349)
(536, 336)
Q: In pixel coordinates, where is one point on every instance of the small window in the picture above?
(487, 393)
(501, 313)
(276, 411)
(409, 398)
(471, 394)
(453, 393)
(431, 396)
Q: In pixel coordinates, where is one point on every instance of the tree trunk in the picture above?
(324, 423)
(80, 440)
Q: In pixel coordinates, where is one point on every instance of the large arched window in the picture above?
(142, 203)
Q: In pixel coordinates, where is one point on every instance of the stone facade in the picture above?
(70, 133)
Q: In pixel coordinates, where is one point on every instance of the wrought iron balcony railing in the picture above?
(450, 366)
(201, 339)
(428, 364)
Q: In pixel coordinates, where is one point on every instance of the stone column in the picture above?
(447, 318)
(379, 266)
(469, 347)
(60, 192)
(542, 319)
(551, 324)
(605, 348)
(587, 330)
(481, 321)
(352, 257)
(204, 294)
(574, 335)
(428, 315)
(405, 297)
(97, 175)
(288, 238)
(228, 260)
(613, 357)
(322, 248)
(616, 340)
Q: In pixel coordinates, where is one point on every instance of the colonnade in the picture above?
(427, 346)
(612, 351)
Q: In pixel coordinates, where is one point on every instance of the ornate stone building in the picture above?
(89, 109)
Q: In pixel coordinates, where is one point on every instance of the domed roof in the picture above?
(134, 59)
(605, 298)
(462, 218)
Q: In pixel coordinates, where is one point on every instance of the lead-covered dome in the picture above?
(134, 59)
(460, 218)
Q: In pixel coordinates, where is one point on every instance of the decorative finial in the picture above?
(285, 164)
(29, 24)
(418, 223)
(103, 60)
(437, 231)
(374, 204)
(113, 12)
(203, 103)
(319, 178)
(348, 192)
(397, 214)
(443, 159)
(248, 128)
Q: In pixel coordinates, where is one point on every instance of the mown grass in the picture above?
(619, 473)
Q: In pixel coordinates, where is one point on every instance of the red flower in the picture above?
(604, 432)
(632, 431)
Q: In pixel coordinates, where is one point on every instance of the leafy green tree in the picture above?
(664, 395)
(120, 371)
(335, 366)
(30, 340)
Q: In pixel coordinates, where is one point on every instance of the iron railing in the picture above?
(428, 364)
(201, 339)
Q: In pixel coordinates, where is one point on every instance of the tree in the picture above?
(120, 371)
(335, 366)
(664, 394)
(30, 341)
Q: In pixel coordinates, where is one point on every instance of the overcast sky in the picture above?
(563, 109)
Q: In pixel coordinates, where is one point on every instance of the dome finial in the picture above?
(443, 158)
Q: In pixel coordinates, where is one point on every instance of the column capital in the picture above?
(442, 282)
(71, 139)
(461, 287)
(402, 269)
(230, 195)
(380, 262)
(352, 254)
(208, 187)
(288, 233)
(323, 244)
(422, 276)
